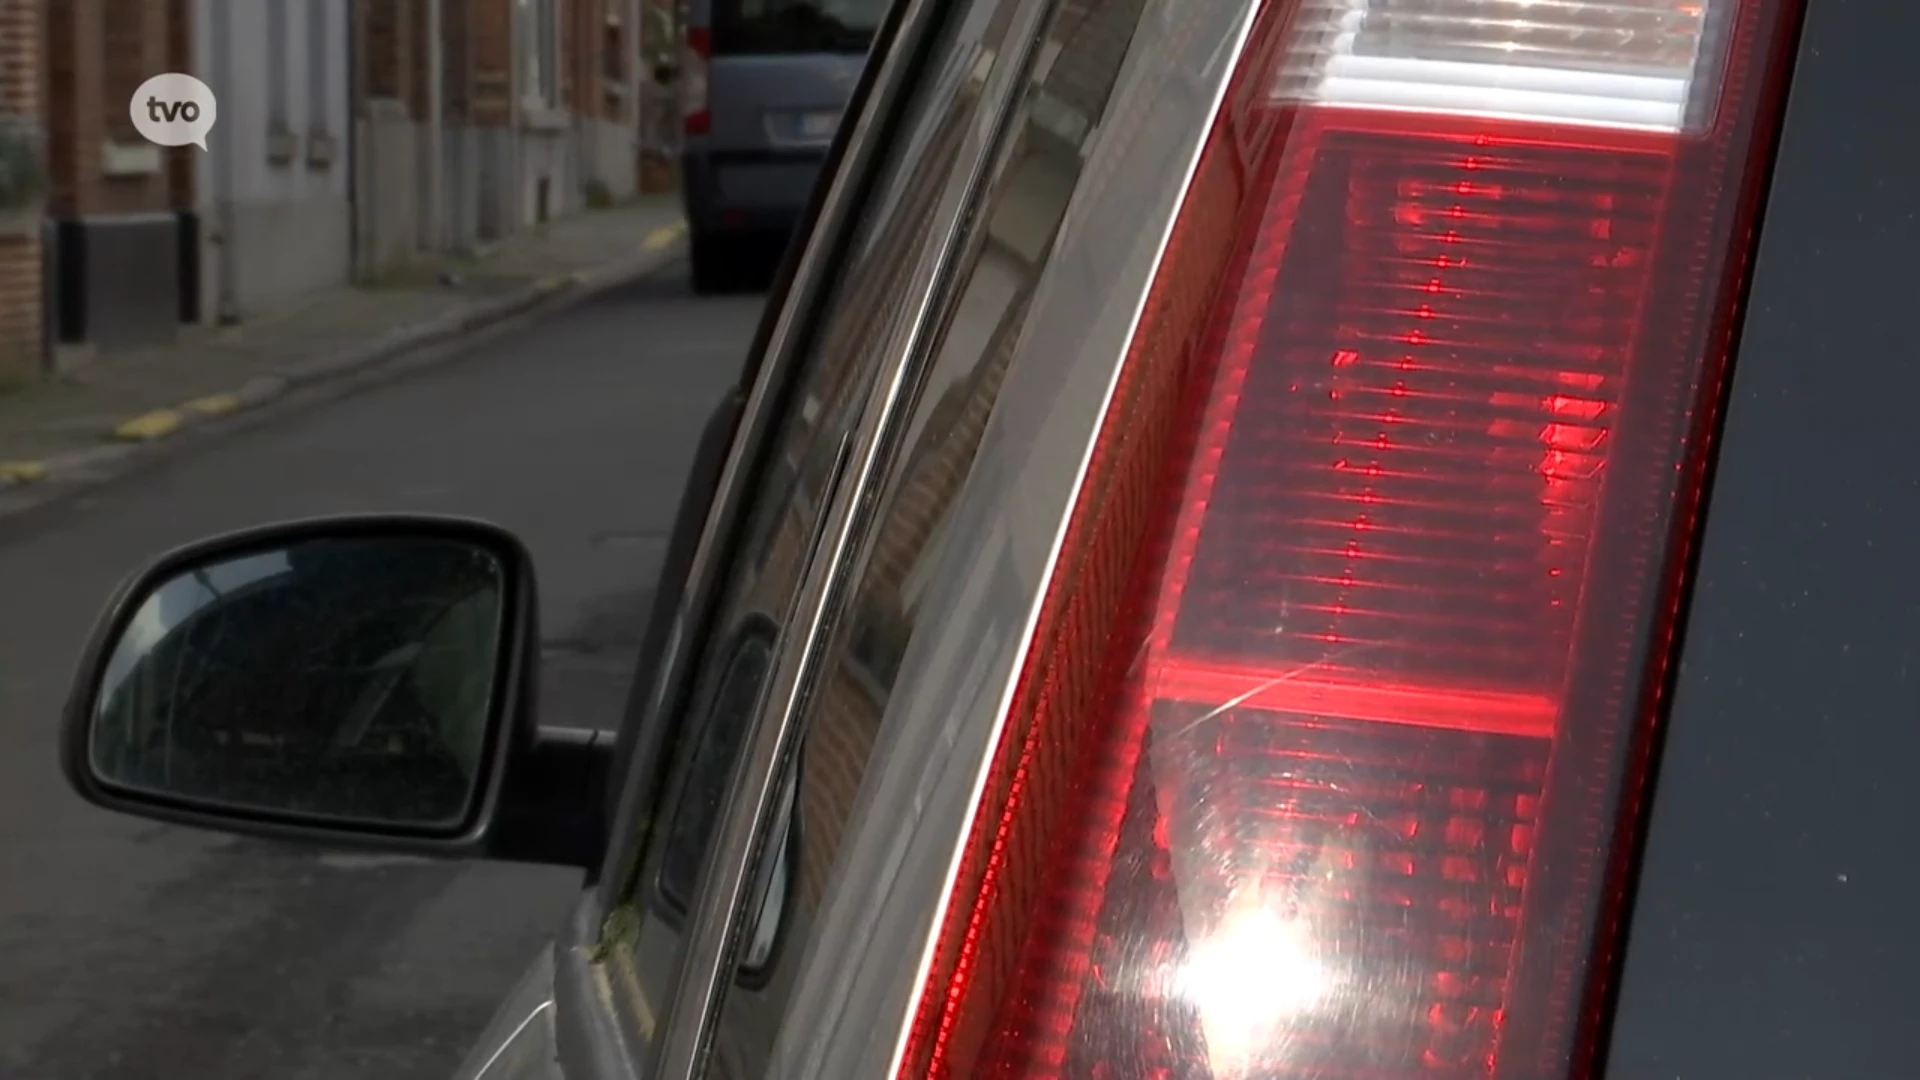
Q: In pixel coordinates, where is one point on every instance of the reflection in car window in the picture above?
(1023, 209)
(697, 808)
(781, 516)
(696, 811)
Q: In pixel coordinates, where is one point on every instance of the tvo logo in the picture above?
(174, 110)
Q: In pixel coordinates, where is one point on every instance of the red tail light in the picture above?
(693, 88)
(1336, 713)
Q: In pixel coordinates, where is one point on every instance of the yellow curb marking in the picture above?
(213, 404)
(157, 424)
(663, 236)
(21, 472)
(163, 422)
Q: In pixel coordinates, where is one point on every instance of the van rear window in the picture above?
(795, 26)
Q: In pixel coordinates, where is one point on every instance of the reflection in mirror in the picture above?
(338, 678)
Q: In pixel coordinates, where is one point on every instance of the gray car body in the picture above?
(1768, 931)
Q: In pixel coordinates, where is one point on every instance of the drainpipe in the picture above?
(636, 87)
(516, 176)
(351, 136)
(436, 129)
(227, 305)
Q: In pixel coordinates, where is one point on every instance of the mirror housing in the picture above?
(532, 794)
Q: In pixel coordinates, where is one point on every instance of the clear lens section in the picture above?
(1613, 63)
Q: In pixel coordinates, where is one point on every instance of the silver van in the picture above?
(763, 86)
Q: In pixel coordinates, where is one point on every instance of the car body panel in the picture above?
(892, 328)
(784, 498)
(1006, 528)
(1003, 269)
(518, 1043)
(1770, 931)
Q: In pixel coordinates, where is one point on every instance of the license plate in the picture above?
(819, 125)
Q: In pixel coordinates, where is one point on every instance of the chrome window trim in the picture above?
(706, 964)
(813, 275)
(854, 999)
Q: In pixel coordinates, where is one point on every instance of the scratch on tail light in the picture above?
(1344, 678)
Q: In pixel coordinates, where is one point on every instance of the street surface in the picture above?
(131, 950)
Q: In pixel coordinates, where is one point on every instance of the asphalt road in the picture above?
(131, 950)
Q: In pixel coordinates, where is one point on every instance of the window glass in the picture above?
(540, 50)
(1004, 258)
(642, 940)
(795, 26)
(696, 810)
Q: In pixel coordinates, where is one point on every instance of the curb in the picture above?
(25, 484)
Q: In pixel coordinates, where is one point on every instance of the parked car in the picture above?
(764, 84)
(1335, 538)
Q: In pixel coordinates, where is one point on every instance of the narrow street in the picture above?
(131, 950)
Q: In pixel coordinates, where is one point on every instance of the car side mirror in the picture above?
(363, 681)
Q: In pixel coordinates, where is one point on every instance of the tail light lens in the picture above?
(693, 84)
(1335, 716)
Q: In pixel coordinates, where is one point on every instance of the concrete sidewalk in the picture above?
(77, 424)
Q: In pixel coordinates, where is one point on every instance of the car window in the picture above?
(781, 516)
(794, 26)
(1005, 254)
(690, 820)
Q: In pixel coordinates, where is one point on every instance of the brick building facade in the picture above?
(538, 117)
(318, 170)
(22, 96)
(113, 197)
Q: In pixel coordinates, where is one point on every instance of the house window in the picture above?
(279, 118)
(540, 51)
(125, 62)
(319, 66)
(613, 47)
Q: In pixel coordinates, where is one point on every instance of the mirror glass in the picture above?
(349, 679)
